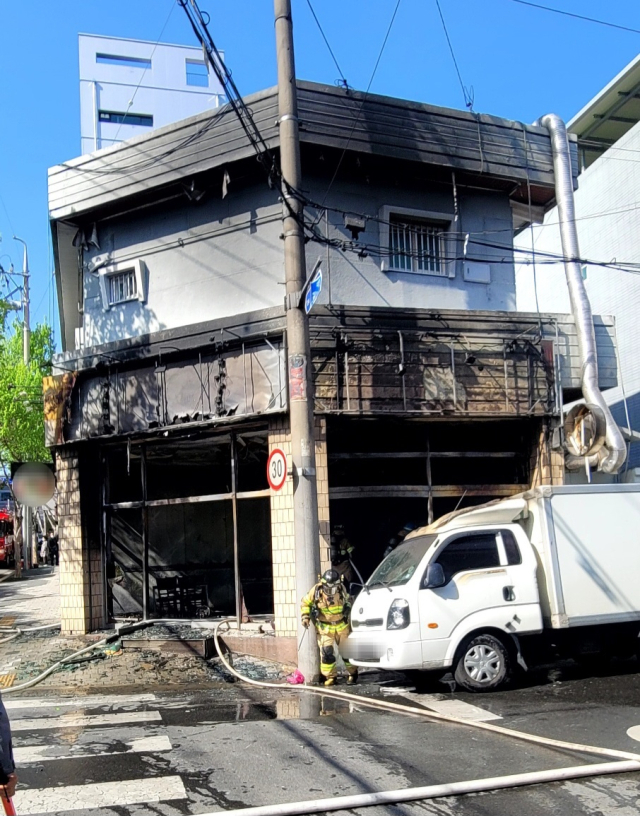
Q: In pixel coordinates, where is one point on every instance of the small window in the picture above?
(583, 271)
(123, 286)
(415, 246)
(471, 552)
(511, 547)
(197, 74)
(125, 62)
(116, 118)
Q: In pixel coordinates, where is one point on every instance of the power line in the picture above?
(145, 69)
(468, 100)
(364, 99)
(577, 16)
(237, 103)
(345, 84)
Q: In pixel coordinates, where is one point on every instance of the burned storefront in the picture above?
(415, 415)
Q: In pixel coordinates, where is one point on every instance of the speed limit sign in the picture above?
(276, 469)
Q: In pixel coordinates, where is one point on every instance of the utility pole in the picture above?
(26, 343)
(305, 496)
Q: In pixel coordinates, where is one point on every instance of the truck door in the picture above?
(521, 588)
(475, 581)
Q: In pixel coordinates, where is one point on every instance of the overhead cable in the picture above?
(577, 16)
(364, 99)
(343, 80)
(468, 98)
(245, 117)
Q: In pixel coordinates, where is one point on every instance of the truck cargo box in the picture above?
(587, 540)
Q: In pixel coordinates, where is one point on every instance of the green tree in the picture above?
(21, 404)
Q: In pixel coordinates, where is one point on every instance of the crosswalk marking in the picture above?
(30, 754)
(89, 701)
(72, 721)
(452, 708)
(99, 795)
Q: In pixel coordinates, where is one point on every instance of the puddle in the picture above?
(288, 707)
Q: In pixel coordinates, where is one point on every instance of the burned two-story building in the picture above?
(431, 391)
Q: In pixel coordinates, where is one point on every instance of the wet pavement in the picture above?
(190, 752)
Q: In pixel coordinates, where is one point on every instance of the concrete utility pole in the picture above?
(305, 496)
(26, 344)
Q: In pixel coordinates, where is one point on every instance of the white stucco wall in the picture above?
(223, 257)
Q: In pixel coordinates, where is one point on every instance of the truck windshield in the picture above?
(398, 567)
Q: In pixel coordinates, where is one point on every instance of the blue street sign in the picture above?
(313, 291)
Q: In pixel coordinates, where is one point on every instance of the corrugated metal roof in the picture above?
(388, 127)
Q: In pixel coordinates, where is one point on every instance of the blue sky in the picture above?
(521, 62)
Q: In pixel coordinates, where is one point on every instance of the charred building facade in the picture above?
(173, 386)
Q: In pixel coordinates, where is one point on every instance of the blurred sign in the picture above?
(33, 484)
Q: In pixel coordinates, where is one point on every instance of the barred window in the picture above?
(123, 286)
(415, 246)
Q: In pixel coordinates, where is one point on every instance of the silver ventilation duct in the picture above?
(610, 456)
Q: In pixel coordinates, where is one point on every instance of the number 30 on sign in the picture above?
(276, 469)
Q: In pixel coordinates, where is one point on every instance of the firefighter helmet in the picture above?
(331, 576)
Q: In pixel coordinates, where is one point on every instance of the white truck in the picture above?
(554, 571)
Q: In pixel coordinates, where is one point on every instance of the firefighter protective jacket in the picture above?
(329, 614)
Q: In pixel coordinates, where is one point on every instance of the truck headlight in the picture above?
(398, 617)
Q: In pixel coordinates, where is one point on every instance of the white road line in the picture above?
(453, 708)
(71, 721)
(44, 753)
(79, 701)
(634, 732)
(99, 795)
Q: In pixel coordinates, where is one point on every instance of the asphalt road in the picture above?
(233, 747)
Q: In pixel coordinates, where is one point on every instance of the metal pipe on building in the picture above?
(613, 453)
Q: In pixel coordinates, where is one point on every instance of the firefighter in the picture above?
(397, 539)
(341, 550)
(327, 605)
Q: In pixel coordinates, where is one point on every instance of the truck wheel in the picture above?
(483, 665)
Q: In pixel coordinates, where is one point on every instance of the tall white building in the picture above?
(129, 87)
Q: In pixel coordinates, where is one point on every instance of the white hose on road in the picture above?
(631, 761)
(423, 712)
(431, 791)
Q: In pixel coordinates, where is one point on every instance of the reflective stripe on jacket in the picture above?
(326, 612)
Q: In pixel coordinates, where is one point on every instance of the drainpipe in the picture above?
(611, 456)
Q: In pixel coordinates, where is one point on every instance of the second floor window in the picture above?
(122, 287)
(415, 246)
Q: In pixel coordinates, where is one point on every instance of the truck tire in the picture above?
(484, 664)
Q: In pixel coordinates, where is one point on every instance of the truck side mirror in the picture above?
(435, 577)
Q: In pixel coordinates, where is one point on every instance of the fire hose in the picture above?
(627, 762)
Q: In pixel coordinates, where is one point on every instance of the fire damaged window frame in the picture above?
(430, 218)
(139, 269)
